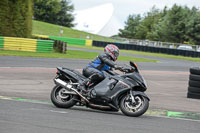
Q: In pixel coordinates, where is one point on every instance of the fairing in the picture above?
(109, 91)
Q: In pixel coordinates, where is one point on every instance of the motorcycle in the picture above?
(116, 92)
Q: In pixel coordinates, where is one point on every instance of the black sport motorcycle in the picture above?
(116, 92)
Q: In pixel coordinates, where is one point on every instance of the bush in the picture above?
(16, 18)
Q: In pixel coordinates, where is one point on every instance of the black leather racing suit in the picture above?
(94, 69)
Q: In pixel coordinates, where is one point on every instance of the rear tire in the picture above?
(141, 106)
(64, 101)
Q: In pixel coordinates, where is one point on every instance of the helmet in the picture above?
(112, 51)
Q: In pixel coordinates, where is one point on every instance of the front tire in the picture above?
(139, 108)
(62, 100)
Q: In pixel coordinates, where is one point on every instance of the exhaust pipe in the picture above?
(69, 87)
(62, 83)
(100, 107)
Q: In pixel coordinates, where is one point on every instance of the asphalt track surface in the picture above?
(25, 117)
(163, 64)
(31, 78)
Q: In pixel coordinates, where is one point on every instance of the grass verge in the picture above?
(145, 53)
(44, 28)
(73, 54)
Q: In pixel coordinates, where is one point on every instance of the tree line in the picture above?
(179, 24)
(58, 12)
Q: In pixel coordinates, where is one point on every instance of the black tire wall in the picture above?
(149, 49)
(194, 83)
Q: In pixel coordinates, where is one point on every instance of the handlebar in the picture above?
(123, 69)
(129, 69)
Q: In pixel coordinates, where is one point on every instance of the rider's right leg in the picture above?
(93, 76)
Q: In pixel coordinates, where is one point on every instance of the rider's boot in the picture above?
(83, 86)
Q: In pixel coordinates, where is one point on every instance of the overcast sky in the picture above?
(123, 8)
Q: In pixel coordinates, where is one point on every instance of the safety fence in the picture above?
(24, 44)
(157, 43)
(69, 41)
(150, 49)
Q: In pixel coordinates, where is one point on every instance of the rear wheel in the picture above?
(61, 99)
(134, 109)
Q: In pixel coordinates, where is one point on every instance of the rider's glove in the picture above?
(118, 67)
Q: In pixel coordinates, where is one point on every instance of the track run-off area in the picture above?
(25, 85)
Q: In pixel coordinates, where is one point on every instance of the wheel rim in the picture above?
(61, 96)
(133, 107)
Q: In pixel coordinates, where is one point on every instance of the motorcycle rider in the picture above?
(105, 61)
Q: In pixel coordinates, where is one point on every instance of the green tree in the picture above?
(130, 26)
(172, 27)
(145, 29)
(54, 11)
(141, 31)
(46, 10)
(16, 18)
(193, 27)
(141, 28)
(157, 33)
(64, 16)
(178, 24)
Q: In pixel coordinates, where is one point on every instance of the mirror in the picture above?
(134, 65)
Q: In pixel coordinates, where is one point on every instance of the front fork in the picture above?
(137, 93)
(132, 97)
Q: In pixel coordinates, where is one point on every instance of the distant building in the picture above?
(98, 20)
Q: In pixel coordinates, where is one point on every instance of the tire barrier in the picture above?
(25, 44)
(149, 49)
(73, 41)
(1, 42)
(194, 77)
(195, 70)
(194, 83)
(58, 46)
(82, 42)
(69, 41)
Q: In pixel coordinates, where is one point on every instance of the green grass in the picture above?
(43, 28)
(163, 55)
(54, 30)
(73, 54)
(145, 53)
(135, 59)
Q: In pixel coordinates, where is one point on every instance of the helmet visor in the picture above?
(116, 54)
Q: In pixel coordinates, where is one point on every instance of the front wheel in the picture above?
(61, 99)
(134, 109)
